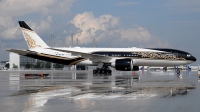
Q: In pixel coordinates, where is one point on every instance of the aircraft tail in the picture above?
(31, 38)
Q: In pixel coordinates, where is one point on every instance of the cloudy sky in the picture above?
(111, 23)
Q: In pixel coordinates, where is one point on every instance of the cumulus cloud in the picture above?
(7, 27)
(10, 10)
(40, 26)
(136, 34)
(21, 7)
(13, 31)
(90, 27)
(106, 31)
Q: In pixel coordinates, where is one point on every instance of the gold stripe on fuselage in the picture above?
(56, 57)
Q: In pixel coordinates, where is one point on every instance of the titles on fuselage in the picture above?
(152, 55)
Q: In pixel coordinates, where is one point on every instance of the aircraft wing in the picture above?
(92, 57)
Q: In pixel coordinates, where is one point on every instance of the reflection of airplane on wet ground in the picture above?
(101, 82)
(66, 88)
(123, 59)
(160, 68)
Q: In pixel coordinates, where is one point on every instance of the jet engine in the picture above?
(124, 65)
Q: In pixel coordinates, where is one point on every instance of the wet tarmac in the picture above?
(82, 91)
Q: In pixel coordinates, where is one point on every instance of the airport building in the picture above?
(17, 62)
(22, 62)
(26, 60)
(14, 60)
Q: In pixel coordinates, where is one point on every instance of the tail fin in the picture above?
(31, 38)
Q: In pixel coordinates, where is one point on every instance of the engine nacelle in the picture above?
(124, 65)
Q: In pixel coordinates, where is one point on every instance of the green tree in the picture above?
(27, 65)
(48, 65)
(15, 66)
(58, 65)
(37, 65)
(7, 65)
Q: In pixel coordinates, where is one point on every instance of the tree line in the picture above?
(37, 65)
(41, 65)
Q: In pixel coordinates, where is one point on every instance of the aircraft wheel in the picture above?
(102, 71)
(98, 71)
(109, 71)
(94, 71)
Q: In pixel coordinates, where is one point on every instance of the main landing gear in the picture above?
(102, 69)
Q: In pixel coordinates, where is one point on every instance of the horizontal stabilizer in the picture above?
(21, 52)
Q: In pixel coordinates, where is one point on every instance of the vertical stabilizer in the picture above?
(31, 38)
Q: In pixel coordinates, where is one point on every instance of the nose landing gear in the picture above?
(177, 71)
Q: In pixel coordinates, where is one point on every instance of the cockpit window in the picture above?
(188, 55)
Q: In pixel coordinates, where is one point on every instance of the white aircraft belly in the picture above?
(143, 62)
(87, 63)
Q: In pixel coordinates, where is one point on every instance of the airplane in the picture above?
(122, 59)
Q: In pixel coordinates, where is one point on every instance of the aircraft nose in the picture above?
(193, 58)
